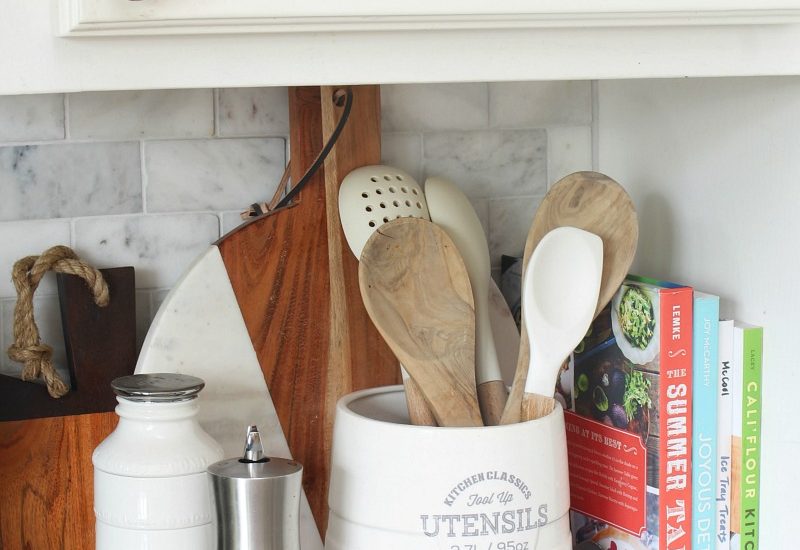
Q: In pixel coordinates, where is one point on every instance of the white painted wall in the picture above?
(713, 166)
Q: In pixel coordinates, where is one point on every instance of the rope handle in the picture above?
(28, 348)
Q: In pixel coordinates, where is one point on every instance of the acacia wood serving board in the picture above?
(296, 284)
(46, 444)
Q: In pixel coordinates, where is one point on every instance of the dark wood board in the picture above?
(46, 444)
(297, 289)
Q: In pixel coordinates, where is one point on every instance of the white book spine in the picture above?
(724, 426)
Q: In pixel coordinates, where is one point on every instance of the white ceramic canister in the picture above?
(151, 490)
(395, 486)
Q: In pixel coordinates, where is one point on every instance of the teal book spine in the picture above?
(705, 381)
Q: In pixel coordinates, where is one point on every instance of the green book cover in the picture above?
(751, 350)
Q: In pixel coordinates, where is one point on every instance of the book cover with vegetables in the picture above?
(705, 376)
(629, 434)
(724, 420)
(747, 360)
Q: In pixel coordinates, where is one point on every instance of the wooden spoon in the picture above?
(596, 203)
(451, 210)
(416, 290)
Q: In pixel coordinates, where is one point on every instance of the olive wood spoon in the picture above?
(368, 195)
(598, 204)
(451, 210)
(416, 291)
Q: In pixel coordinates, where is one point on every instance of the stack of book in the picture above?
(664, 424)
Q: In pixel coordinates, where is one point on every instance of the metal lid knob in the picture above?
(253, 449)
(158, 387)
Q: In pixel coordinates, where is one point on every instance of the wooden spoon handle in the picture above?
(492, 397)
(418, 409)
(513, 409)
(536, 406)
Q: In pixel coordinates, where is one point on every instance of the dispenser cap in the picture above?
(254, 464)
(253, 449)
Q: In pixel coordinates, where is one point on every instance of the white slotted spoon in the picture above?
(369, 197)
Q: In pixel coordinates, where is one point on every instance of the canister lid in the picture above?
(158, 387)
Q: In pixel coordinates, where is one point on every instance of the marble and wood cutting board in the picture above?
(271, 316)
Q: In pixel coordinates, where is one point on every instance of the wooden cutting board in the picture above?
(46, 444)
(296, 284)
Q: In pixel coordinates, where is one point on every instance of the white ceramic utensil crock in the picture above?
(395, 486)
(151, 490)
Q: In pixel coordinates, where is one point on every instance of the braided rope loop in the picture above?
(28, 348)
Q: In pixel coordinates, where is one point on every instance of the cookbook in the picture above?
(705, 373)
(746, 435)
(629, 431)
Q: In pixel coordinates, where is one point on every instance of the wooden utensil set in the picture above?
(425, 284)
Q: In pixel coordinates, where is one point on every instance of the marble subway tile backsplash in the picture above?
(490, 163)
(160, 247)
(144, 114)
(70, 179)
(151, 178)
(31, 117)
(211, 174)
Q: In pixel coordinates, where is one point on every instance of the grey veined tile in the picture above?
(160, 247)
(489, 163)
(31, 117)
(67, 180)
(403, 151)
(509, 222)
(537, 104)
(434, 106)
(142, 114)
(29, 238)
(218, 174)
(253, 111)
(569, 149)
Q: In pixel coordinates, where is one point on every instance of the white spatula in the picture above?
(451, 210)
(560, 290)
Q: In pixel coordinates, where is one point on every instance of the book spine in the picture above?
(724, 419)
(705, 376)
(675, 454)
(736, 438)
(752, 348)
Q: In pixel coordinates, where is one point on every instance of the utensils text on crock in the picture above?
(596, 203)
(416, 290)
(559, 296)
(369, 197)
(451, 210)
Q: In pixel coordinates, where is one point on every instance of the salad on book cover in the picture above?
(629, 435)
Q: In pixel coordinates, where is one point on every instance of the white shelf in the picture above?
(150, 44)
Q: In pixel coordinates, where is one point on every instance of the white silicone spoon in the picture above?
(369, 197)
(559, 296)
(451, 210)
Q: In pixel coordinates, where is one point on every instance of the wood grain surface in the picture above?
(297, 289)
(46, 475)
(596, 203)
(46, 481)
(416, 290)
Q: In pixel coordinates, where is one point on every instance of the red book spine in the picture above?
(675, 457)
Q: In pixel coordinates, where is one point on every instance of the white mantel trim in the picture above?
(170, 17)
